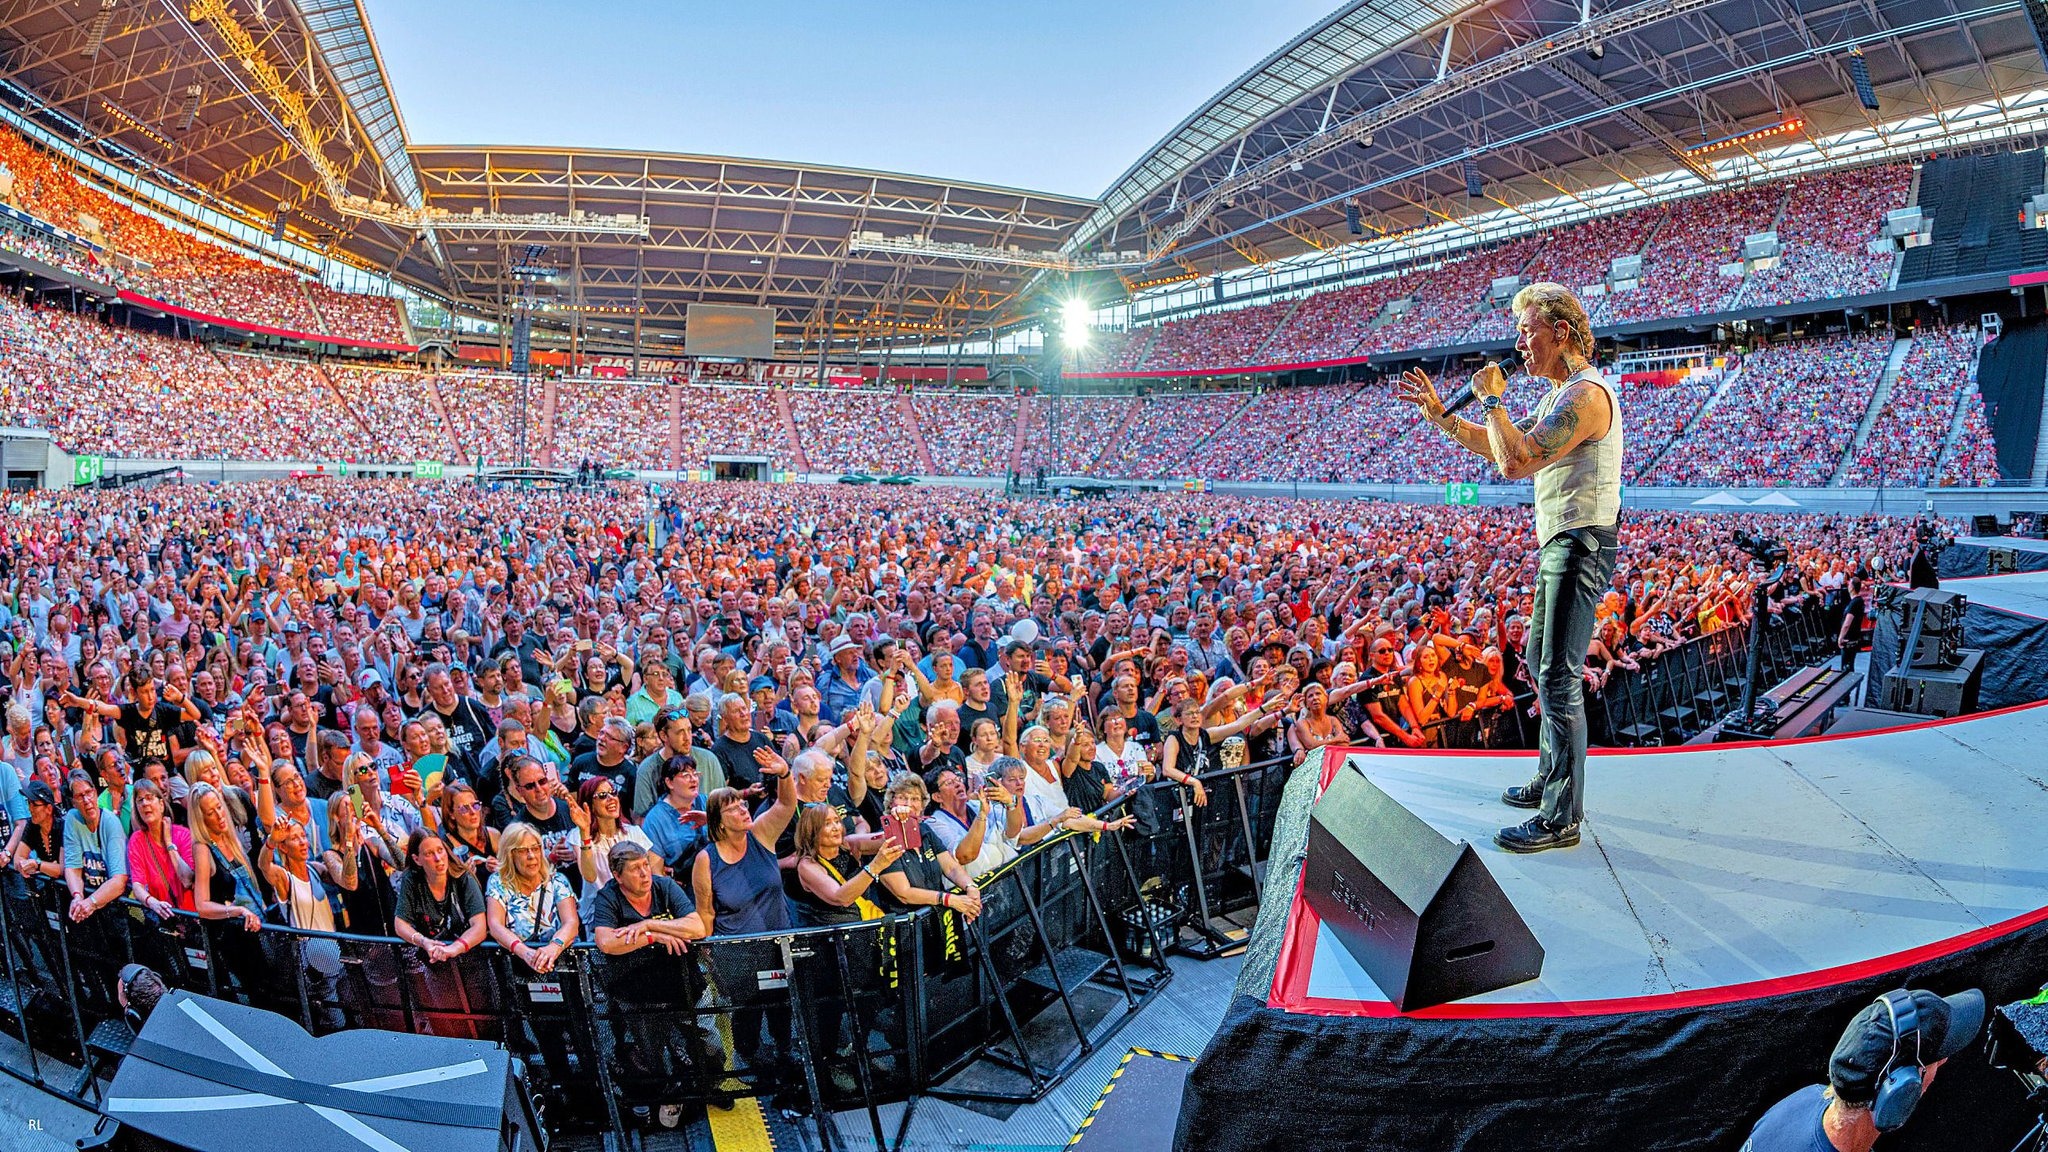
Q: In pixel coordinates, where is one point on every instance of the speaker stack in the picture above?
(1936, 675)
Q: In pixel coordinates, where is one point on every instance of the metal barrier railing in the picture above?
(1680, 693)
(824, 1019)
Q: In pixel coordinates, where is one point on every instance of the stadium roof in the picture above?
(738, 231)
(116, 79)
(1382, 103)
(249, 107)
(178, 91)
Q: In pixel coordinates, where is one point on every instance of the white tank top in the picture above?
(309, 909)
(1582, 489)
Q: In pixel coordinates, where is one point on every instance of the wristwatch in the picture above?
(1488, 403)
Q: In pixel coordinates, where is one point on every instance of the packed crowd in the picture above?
(855, 431)
(1906, 439)
(121, 392)
(1216, 339)
(114, 391)
(1825, 224)
(733, 422)
(356, 315)
(1064, 435)
(1809, 394)
(1329, 325)
(1167, 436)
(482, 409)
(1451, 298)
(456, 716)
(398, 409)
(1683, 264)
(1826, 229)
(1656, 413)
(625, 424)
(968, 436)
(149, 256)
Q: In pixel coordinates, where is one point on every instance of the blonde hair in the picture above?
(1555, 303)
(202, 839)
(196, 762)
(514, 837)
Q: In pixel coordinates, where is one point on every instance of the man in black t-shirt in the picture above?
(1144, 727)
(147, 723)
(611, 758)
(737, 741)
(1020, 676)
(980, 703)
(469, 726)
(531, 797)
(1383, 700)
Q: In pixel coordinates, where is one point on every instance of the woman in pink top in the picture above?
(159, 854)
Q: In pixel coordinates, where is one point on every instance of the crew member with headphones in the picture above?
(1881, 1067)
(137, 990)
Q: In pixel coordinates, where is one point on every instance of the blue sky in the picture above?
(1060, 95)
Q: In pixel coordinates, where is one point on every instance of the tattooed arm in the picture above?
(1581, 414)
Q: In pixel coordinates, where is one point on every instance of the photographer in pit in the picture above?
(1929, 542)
(1884, 1063)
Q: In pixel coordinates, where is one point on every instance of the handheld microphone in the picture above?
(1466, 395)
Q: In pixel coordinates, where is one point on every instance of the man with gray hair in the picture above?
(1571, 446)
(611, 759)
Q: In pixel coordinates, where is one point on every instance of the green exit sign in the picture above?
(1461, 493)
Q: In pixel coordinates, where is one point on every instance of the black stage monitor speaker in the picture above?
(1943, 692)
(1938, 615)
(1419, 913)
(1983, 525)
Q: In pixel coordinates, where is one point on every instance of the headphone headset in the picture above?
(1898, 1085)
(129, 974)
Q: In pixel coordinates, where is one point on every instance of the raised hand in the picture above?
(770, 763)
(1418, 389)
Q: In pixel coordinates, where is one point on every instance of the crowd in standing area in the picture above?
(451, 714)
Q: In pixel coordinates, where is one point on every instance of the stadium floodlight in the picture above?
(1075, 316)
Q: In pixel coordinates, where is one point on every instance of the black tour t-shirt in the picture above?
(148, 736)
(637, 974)
(445, 919)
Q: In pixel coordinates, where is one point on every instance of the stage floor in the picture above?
(2016, 543)
(1717, 873)
(2020, 593)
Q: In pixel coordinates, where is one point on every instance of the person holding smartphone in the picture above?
(925, 875)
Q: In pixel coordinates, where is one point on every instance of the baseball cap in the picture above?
(368, 677)
(1947, 1024)
(761, 684)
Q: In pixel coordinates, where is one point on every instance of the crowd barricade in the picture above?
(821, 1019)
(1680, 693)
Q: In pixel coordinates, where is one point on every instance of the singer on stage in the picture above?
(1571, 445)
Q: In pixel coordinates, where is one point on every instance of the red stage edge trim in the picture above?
(1669, 749)
(1297, 953)
(267, 330)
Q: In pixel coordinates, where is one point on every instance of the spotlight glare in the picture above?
(1075, 316)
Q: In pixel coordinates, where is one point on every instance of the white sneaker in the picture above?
(669, 1115)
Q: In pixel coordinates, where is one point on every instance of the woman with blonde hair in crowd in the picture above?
(531, 912)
